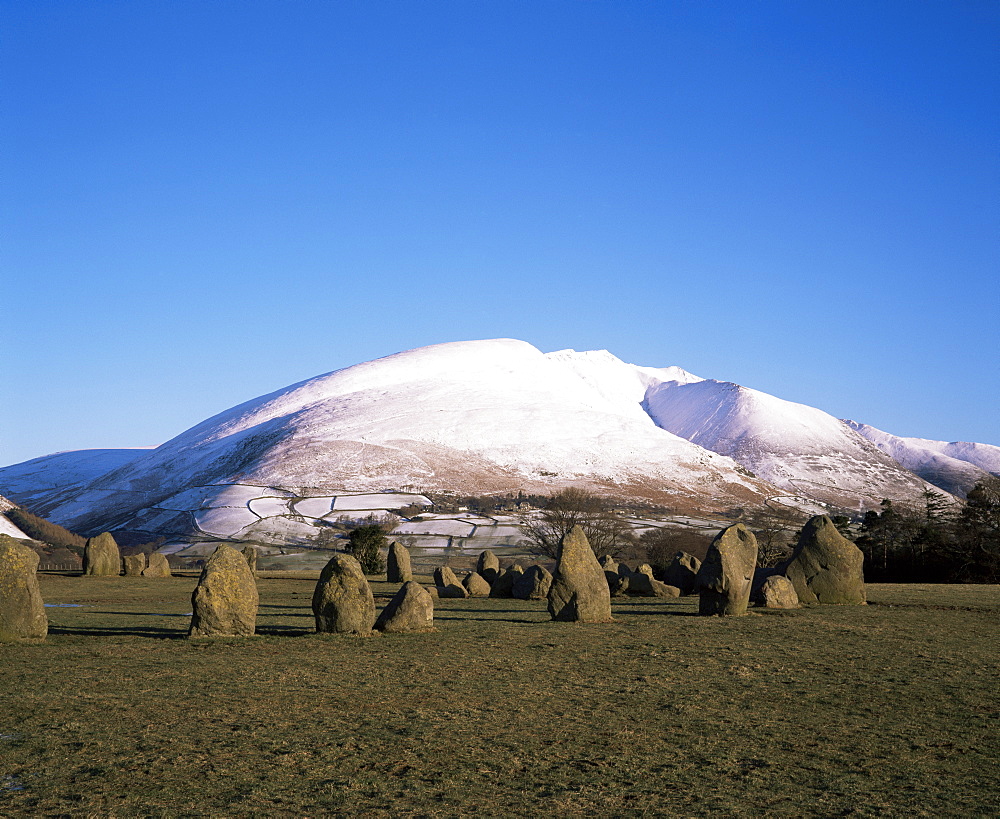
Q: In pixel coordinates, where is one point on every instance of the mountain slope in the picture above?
(795, 447)
(954, 467)
(484, 416)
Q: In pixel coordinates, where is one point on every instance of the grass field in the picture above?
(890, 709)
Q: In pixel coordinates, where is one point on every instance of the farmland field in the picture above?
(880, 710)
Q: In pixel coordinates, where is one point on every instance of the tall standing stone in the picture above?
(225, 600)
(343, 602)
(726, 575)
(579, 590)
(488, 566)
(250, 554)
(825, 567)
(22, 612)
(157, 566)
(534, 584)
(412, 609)
(397, 564)
(102, 557)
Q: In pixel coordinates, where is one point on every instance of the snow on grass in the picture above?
(452, 528)
(224, 521)
(314, 507)
(269, 507)
(374, 502)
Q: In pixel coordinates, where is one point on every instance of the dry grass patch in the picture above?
(888, 709)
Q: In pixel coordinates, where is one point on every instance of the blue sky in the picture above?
(206, 201)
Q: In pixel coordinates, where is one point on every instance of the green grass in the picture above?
(885, 710)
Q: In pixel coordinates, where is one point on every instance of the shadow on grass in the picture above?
(105, 631)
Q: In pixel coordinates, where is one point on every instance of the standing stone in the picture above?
(225, 600)
(134, 565)
(157, 566)
(397, 564)
(101, 556)
(682, 572)
(447, 584)
(22, 612)
(476, 585)
(412, 609)
(503, 586)
(777, 592)
(825, 567)
(616, 583)
(343, 602)
(534, 584)
(250, 555)
(579, 590)
(726, 575)
(488, 566)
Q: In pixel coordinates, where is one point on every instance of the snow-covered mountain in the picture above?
(952, 466)
(795, 447)
(478, 417)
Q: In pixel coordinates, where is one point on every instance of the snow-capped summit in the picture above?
(478, 417)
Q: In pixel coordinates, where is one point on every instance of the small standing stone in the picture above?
(503, 586)
(534, 584)
(682, 572)
(22, 612)
(825, 567)
(343, 602)
(397, 566)
(447, 583)
(157, 566)
(225, 600)
(579, 590)
(250, 555)
(101, 556)
(777, 592)
(476, 585)
(412, 609)
(726, 574)
(488, 566)
(616, 583)
(134, 565)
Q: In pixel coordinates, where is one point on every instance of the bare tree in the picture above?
(606, 531)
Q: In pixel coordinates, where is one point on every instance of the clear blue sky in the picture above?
(206, 201)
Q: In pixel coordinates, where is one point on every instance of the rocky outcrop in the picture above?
(579, 590)
(22, 612)
(342, 601)
(476, 585)
(534, 584)
(411, 609)
(825, 567)
(225, 600)
(102, 557)
(447, 583)
(397, 565)
(726, 575)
